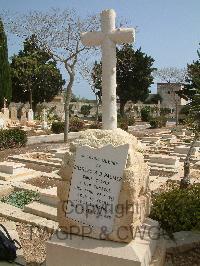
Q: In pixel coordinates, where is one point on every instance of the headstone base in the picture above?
(73, 250)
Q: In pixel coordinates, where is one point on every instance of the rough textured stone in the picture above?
(134, 195)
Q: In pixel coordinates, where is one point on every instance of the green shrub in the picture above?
(125, 121)
(12, 138)
(178, 209)
(57, 127)
(165, 111)
(21, 198)
(85, 109)
(122, 122)
(123, 125)
(158, 122)
(145, 114)
(131, 120)
(100, 117)
(95, 125)
(75, 125)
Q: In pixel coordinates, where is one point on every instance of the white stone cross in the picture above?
(108, 38)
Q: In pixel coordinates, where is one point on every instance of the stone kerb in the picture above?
(134, 197)
(182, 149)
(164, 159)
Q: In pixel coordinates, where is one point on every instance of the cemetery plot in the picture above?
(43, 182)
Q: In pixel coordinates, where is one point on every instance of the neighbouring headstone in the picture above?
(13, 114)
(6, 112)
(23, 119)
(2, 123)
(75, 112)
(30, 115)
(44, 119)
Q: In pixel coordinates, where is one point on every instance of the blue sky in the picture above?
(168, 30)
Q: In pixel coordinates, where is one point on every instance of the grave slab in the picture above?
(49, 196)
(17, 215)
(41, 210)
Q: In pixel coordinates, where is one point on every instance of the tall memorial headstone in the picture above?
(2, 121)
(5, 110)
(104, 196)
(44, 119)
(13, 114)
(30, 115)
(23, 119)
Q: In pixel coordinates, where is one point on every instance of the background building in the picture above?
(170, 98)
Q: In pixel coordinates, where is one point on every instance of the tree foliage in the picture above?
(5, 79)
(59, 34)
(134, 75)
(35, 76)
(170, 74)
(85, 109)
(154, 99)
(191, 92)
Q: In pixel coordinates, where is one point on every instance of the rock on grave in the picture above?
(104, 169)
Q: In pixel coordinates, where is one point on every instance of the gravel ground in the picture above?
(43, 182)
(33, 241)
(161, 173)
(188, 258)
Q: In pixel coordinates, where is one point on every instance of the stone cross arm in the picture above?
(118, 36)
